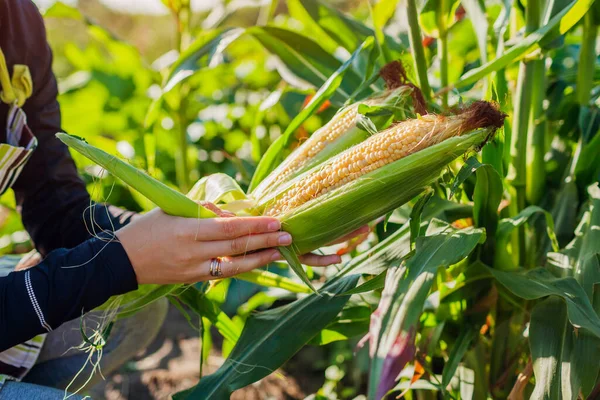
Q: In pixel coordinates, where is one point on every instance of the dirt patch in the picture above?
(171, 364)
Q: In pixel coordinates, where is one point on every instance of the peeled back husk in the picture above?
(296, 163)
(341, 211)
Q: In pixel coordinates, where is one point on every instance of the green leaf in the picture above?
(346, 31)
(298, 12)
(437, 15)
(468, 168)
(486, 197)
(415, 216)
(304, 59)
(132, 302)
(538, 283)
(376, 260)
(292, 258)
(507, 225)
(383, 11)
(587, 169)
(269, 279)
(478, 17)
(269, 339)
(217, 188)
(274, 154)
(198, 302)
(564, 20)
(548, 333)
(580, 348)
(377, 282)
(62, 10)
(406, 289)
(205, 52)
(353, 321)
(459, 348)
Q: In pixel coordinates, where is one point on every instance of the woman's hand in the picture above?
(165, 249)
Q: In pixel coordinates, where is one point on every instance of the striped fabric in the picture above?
(15, 153)
(17, 361)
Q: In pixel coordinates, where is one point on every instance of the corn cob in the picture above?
(340, 133)
(379, 150)
(327, 134)
(343, 207)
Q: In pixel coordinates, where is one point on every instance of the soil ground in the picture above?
(171, 364)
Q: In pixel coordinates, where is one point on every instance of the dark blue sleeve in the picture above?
(79, 272)
(51, 196)
(62, 287)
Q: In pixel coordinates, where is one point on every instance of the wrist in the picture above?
(114, 257)
(130, 243)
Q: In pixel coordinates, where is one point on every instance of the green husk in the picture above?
(169, 200)
(392, 106)
(332, 215)
(351, 206)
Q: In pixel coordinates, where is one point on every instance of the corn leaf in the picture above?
(383, 11)
(486, 198)
(396, 248)
(415, 216)
(587, 168)
(298, 12)
(394, 324)
(207, 48)
(564, 20)
(305, 60)
(347, 32)
(377, 282)
(296, 266)
(549, 334)
(269, 279)
(467, 335)
(205, 308)
(539, 282)
(564, 356)
(376, 260)
(507, 225)
(586, 347)
(132, 302)
(202, 53)
(269, 339)
(352, 322)
(478, 17)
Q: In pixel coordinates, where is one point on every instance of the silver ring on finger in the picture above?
(216, 265)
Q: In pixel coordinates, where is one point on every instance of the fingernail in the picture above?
(336, 259)
(274, 226)
(275, 256)
(284, 239)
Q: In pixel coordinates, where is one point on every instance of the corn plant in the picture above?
(475, 163)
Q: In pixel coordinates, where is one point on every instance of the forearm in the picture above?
(67, 222)
(51, 196)
(66, 284)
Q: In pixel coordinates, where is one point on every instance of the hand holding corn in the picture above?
(164, 249)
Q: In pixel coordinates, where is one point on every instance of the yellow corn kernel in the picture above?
(379, 150)
(327, 134)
